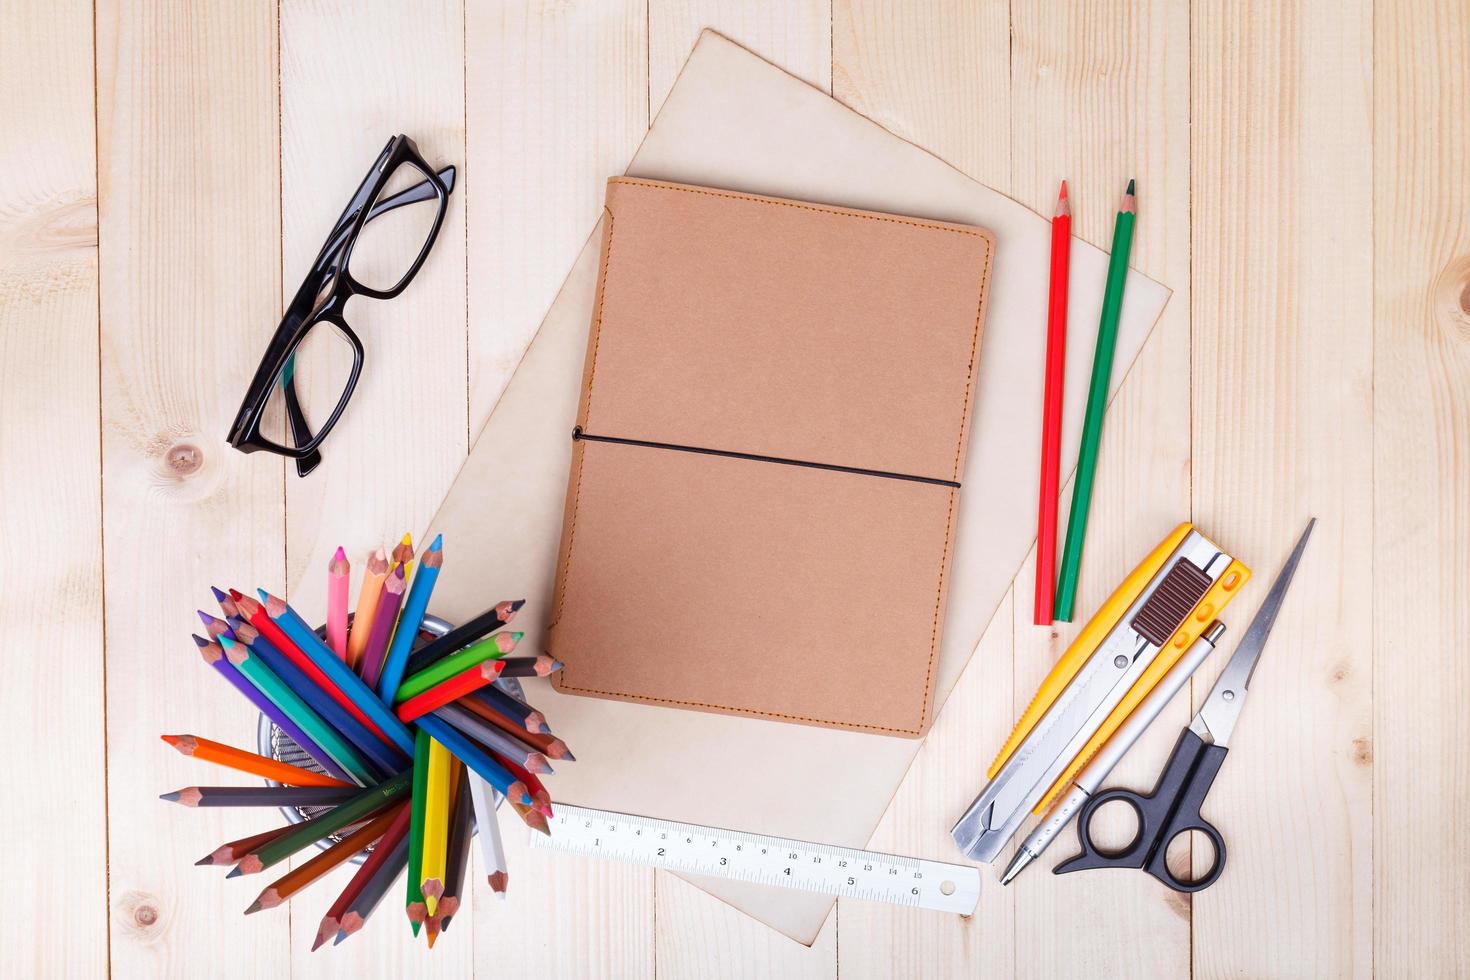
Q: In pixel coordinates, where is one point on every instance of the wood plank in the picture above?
(795, 35)
(941, 77)
(937, 75)
(349, 83)
(878, 941)
(696, 935)
(51, 602)
(1421, 500)
(351, 78)
(190, 278)
(1098, 128)
(1283, 379)
(558, 102)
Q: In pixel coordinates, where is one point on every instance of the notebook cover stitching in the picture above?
(562, 679)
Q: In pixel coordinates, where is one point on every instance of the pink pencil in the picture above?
(384, 618)
(339, 573)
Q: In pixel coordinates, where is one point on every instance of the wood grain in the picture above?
(189, 254)
(1283, 403)
(1100, 95)
(558, 102)
(1420, 750)
(51, 599)
(348, 83)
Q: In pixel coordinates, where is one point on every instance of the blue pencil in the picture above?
(338, 672)
(215, 657)
(357, 734)
(473, 756)
(409, 621)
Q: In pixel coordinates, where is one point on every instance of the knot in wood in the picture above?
(184, 459)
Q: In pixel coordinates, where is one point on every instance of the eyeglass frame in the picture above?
(315, 303)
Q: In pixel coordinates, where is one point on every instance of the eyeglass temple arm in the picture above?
(422, 191)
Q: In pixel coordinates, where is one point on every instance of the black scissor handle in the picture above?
(1171, 809)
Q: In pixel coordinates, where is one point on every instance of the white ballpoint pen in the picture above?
(1091, 777)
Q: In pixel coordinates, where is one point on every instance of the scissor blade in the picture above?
(1216, 719)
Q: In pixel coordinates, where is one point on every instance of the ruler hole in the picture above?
(946, 888)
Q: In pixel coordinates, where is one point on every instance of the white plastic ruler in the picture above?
(693, 849)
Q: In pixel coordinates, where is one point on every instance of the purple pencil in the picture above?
(384, 619)
(214, 655)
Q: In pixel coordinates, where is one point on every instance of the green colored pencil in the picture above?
(490, 648)
(305, 834)
(1097, 403)
(415, 906)
(297, 710)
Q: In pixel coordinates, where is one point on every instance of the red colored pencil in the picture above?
(460, 685)
(1051, 412)
(332, 921)
(259, 617)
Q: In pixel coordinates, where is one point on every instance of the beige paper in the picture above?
(733, 120)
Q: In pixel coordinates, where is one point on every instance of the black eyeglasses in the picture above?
(375, 249)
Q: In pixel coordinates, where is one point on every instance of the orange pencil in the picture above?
(256, 765)
(367, 606)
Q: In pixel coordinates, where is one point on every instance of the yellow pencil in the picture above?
(367, 606)
(404, 553)
(436, 826)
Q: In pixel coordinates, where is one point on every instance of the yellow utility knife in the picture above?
(1138, 634)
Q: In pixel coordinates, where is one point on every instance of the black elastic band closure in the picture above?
(577, 434)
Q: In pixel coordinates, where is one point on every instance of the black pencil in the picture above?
(262, 795)
(462, 636)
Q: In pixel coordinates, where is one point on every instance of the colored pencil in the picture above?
(397, 832)
(540, 665)
(1097, 403)
(461, 684)
(230, 853)
(548, 745)
(476, 758)
(409, 621)
(413, 903)
(375, 751)
(254, 668)
(309, 871)
(196, 796)
(461, 829)
(226, 604)
(214, 655)
(403, 553)
(353, 688)
(339, 574)
(373, 891)
(492, 846)
(533, 720)
(1051, 410)
(284, 773)
(493, 738)
(383, 619)
(540, 798)
(306, 833)
(436, 826)
(367, 605)
(463, 635)
(259, 617)
(491, 648)
(213, 625)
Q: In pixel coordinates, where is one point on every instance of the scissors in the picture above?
(1173, 807)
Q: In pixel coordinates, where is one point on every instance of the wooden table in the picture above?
(167, 170)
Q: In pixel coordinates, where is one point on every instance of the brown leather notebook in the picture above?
(766, 465)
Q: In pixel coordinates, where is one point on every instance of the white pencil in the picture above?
(483, 796)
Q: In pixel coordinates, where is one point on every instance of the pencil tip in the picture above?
(199, 641)
(1063, 195)
(340, 554)
(1130, 186)
(516, 606)
(207, 859)
(235, 872)
(172, 797)
(170, 739)
(438, 543)
(254, 907)
(218, 595)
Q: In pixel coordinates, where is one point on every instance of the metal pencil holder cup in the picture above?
(277, 745)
